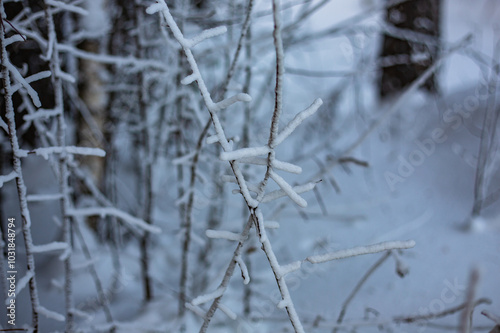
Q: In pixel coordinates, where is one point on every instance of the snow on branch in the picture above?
(222, 234)
(244, 153)
(208, 297)
(206, 34)
(43, 197)
(244, 269)
(65, 76)
(111, 211)
(111, 59)
(25, 84)
(14, 39)
(281, 193)
(53, 246)
(41, 114)
(225, 103)
(4, 126)
(7, 178)
(285, 166)
(271, 225)
(46, 151)
(276, 164)
(292, 267)
(50, 314)
(288, 189)
(361, 250)
(195, 309)
(31, 78)
(493, 317)
(227, 311)
(212, 139)
(22, 282)
(67, 7)
(189, 79)
(161, 6)
(297, 120)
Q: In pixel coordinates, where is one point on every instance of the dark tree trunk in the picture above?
(410, 44)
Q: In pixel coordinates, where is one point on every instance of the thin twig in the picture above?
(17, 167)
(358, 286)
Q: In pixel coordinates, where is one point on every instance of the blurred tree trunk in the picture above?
(410, 44)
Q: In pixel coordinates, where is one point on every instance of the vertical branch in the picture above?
(278, 94)
(245, 142)
(147, 173)
(487, 136)
(3, 283)
(280, 70)
(227, 276)
(17, 167)
(185, 224)
(466, 316)
(188, 224)
(103, 299)
(358, 286)
(65, 201)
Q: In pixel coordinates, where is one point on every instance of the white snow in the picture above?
(25, 84)
(111, 211)
(244, 269)
(297, 120)
(208, 297)
(50, 314)
(361, 250)
(222, 234)
(227, 311)
(54, 246)
(43, 197)
(205, 34)
(22, 282)
(281, 193)
(289, 268)
(288, 190)
(244, 153)
(45, 152)
(6, 178)
(225, 103)
(67, 7)
(32, 78)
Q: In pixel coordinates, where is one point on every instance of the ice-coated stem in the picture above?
(227, 276)
(65, 201)
(16, 165)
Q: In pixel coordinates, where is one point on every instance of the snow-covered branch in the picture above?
(361, 250)
(111, 211)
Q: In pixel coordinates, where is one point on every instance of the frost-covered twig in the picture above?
(227, 276)
(147, 174)
(440, 314)
(493, 317)
(487, 140)
(6, 178)
(361, 250)
(17, 168)
(65, 201)
(111, 211)
(466, 315)
(103, 299)
(256, 215)
(358, 286)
